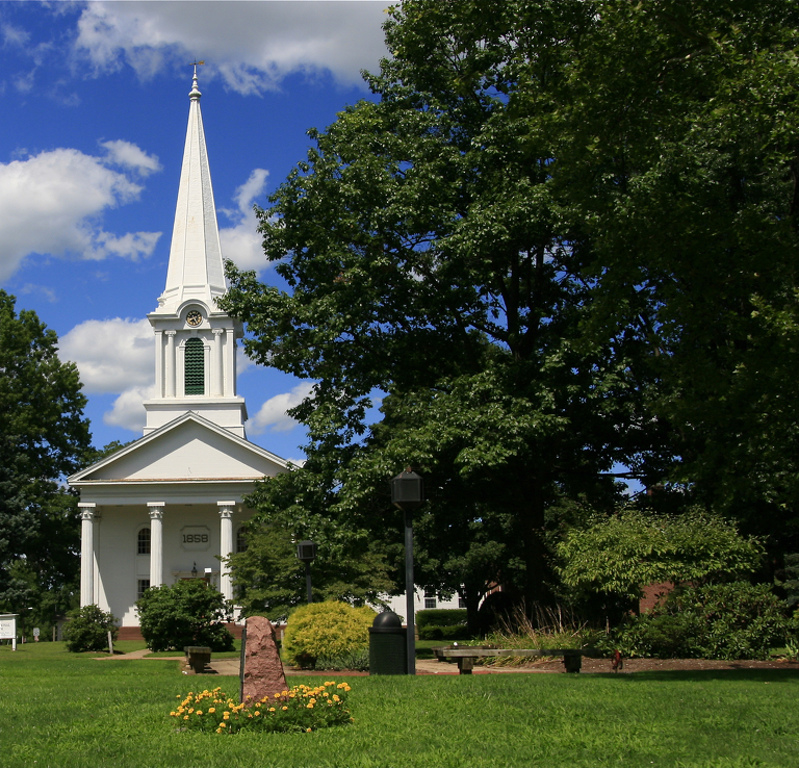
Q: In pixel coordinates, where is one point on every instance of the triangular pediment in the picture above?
(188, 448)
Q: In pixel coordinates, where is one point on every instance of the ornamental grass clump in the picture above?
(301, 709)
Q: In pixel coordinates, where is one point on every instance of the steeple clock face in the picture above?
(194, 318)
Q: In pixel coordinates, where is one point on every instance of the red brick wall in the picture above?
(653, 594)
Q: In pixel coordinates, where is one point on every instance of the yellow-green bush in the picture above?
(327, 630)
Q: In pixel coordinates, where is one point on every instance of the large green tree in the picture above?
(682, 159)
(427, 260)
(43, 437)
(560, 239)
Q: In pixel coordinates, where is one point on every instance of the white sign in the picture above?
(8, 626)
(195, 538)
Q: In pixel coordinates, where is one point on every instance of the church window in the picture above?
(142, 586)
(241, 540)
(143, 543)
(194, 359)
(429, 599)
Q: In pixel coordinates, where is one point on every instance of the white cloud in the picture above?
(241, 243)
(115, 356)
(128, 410)
(251, 45)
(112, 355)
(130, 156)
(52, 203)
(272, 414)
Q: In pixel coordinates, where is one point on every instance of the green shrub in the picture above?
(187, 613)
(441, 617)
(88, 628)
(437, 632)
(357, 660)
(716, 621)
(442, 624)
(326, 631)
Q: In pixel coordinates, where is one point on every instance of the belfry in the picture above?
(169, 506)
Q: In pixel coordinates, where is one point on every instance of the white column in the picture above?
(159, 364)
(87, 511)
(170, 364)
(156, 543)
(225, 546)
(217, 370)
(230, 363)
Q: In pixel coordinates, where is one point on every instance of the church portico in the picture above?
(150, 543)
(172, 502)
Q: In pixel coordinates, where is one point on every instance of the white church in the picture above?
(169, 506)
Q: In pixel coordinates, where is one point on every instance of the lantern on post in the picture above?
(407, 494)
(306, 552)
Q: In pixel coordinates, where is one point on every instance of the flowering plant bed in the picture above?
(300, 709)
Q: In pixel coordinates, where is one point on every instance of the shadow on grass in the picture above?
(705, 675)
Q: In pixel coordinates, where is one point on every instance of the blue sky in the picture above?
(93, 111)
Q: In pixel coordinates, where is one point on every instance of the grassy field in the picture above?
(59, 710)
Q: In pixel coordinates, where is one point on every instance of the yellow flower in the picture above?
(223, 725)
(199, 712)
(285, 709)
(257, 712)
(309, 706)
(211, 710)
(307, 730)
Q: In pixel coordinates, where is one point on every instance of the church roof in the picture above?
(190, 449)
(196, 270)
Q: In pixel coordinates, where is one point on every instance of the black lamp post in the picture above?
(306, 552)
(407, 494)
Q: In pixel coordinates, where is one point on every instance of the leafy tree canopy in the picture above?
(43, 438)
(621, 554)
(561, 239)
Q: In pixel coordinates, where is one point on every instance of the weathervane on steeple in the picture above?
(195, 91)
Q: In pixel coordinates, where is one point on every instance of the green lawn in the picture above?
(62, 711)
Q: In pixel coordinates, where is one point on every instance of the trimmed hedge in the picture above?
(441, 617)
(442, 624)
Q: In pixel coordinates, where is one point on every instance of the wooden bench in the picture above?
(466, 655)
(197, 657)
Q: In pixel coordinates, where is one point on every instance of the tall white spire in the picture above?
(195, 341)
(195, 258)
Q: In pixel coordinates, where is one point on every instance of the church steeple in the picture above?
(195, 360)
(195, 258)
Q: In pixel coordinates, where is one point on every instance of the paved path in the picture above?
(230, 666)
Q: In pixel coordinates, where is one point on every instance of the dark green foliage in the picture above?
(270, 580)
(88, 628)
(737, 620)
(447, 633)
(560, 240)
(442, 624)
(442, 617)
(791, 582)
(43, 438)
(188, 613)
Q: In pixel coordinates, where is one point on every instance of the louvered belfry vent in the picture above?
(195, 367)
